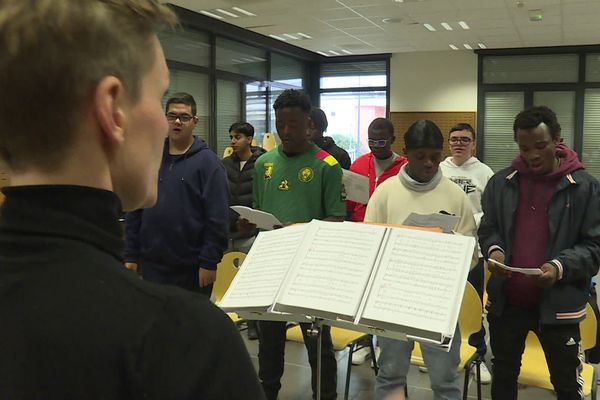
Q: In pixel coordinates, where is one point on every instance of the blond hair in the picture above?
(54, 53)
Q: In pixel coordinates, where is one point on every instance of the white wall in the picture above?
(433, 81)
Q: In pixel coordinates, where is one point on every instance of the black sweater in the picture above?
(75, 324)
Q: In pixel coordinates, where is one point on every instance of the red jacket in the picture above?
(364, 165)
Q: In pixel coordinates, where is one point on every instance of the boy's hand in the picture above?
(548, 277)
(497, 271)
(244, 226)
(206, 276)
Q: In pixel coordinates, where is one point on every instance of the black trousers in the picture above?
(476, 278)
(561, 344)
(186, 278)
(271, 351)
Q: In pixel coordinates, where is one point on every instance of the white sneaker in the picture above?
(484, 374)
(377, 353)
(359, 356)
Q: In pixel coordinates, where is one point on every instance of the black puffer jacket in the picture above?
(240, 181)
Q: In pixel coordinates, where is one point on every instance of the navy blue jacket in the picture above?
(188, 226)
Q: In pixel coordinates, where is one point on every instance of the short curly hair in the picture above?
(290, 98)
(532, 117)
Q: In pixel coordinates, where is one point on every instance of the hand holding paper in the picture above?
(262, 220)
(524, 271)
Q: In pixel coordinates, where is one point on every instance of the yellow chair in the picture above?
(534, 369)
(228, 151)
(269, 142)
(226, 271)
(341, 338)
(469, 321)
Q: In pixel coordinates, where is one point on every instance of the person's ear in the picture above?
(404, 150)
(194, 120)
(392, 139)
(110, 104)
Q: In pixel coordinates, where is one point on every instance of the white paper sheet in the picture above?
(524, 271)
(444, 221)
(264, 269)
(420, 280)
(332, 273)
(356, 186)
(263, 220)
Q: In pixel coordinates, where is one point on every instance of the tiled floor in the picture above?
(296, 379)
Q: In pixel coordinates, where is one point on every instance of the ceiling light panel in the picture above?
(277, 37)
(225, 12)
(209, 14)
(245, 12)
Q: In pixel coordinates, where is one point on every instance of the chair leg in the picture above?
(466, 384)
(406, 391)
(478, 366)
(350, 352)
(594, 385)
(373, 356)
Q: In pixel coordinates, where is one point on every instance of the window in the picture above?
(592, 67)
(500, 111)
(555, 79)
(188, 47)
(353, 95)
(349, 115)
(256, 108)
(228, 110)
(354, 75)
(240, 59)
(563, 104)
(591, 127)
(544, 68)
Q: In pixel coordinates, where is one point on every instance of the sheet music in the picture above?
(356, 186)
(263, 271)
(437, 220)
(331, 276)
(262, 219)
(420, 280)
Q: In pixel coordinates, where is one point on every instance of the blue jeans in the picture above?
(394, 363)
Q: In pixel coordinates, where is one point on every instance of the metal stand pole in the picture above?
(316, 329)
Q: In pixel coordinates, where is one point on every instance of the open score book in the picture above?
(385, 280)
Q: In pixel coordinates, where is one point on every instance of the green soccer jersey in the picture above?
(299, 188)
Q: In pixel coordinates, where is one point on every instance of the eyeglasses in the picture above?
(183, 118)
(378, 142)
(461, 139)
